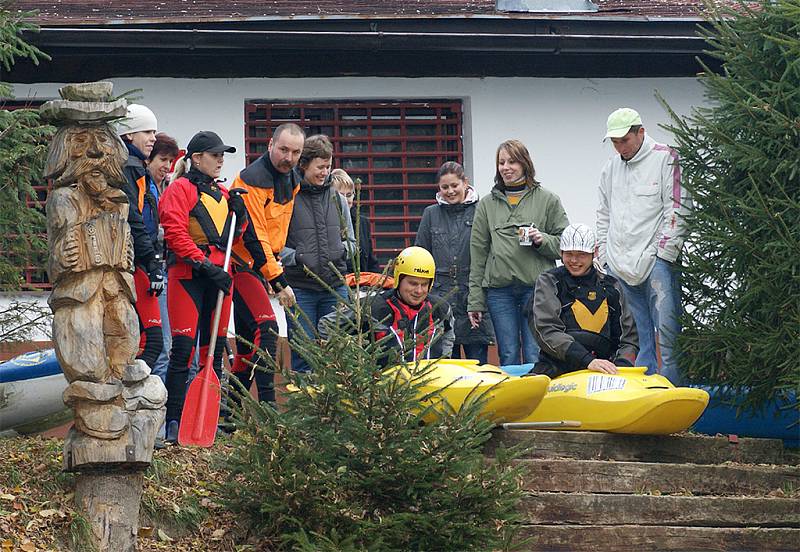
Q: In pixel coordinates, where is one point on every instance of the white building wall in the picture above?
(562, 121)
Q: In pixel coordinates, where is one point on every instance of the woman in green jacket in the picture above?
(515, 237)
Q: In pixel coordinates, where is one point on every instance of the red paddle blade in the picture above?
(201, 410)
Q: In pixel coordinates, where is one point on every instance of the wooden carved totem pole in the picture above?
(118, 405)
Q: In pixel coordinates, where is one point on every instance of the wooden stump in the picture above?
(111, 503)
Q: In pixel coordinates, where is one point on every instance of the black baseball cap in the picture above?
(206, 140)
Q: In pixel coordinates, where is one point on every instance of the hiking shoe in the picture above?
(172, 432)
(162, 433)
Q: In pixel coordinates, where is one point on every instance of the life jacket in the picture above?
(208, 219)
(148, 194)
(586, 311)
(205, 201)
(410, 325)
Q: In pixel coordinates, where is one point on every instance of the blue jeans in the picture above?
(656, 308)
(315, 305)
(515, 343)
(478, 351)
(160, 366)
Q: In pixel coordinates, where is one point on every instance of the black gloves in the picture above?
(156, 276)
(236, 205)
(221, 279)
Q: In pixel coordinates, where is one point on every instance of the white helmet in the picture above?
(138, 119)
(578, 237)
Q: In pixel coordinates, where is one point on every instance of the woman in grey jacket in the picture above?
(319, 241)
(515, 237)
(445, 231)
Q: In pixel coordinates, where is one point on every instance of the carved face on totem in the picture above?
(90, 154)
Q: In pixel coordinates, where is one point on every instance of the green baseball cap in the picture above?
(620, 122)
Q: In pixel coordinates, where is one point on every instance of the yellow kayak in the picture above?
(629, 402)
(508, 398)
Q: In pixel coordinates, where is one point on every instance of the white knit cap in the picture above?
(138, 119)
(578, 237)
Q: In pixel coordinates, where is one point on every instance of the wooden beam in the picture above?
(597, 476)
(682, 448)
(615, 509)
(601, 538)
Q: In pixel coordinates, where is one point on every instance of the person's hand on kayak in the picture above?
(602, 366)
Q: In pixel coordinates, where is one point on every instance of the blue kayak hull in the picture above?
(778, 419)
(31, 388)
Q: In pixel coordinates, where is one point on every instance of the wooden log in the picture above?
(682, 448)
(110, 501)
(598, 476)
(600, 538)
(589, 509)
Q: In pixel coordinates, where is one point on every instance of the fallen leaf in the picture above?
(218, 534)
(146, 531)
(162, 536)
(7, 497)
(28, 546)
(48, 513)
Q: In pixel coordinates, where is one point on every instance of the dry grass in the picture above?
(178, 513)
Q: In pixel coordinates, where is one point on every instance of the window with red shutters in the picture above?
(393, 147)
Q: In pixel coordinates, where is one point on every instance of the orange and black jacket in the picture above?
(194, 215)
(143, 200)
(269, 201)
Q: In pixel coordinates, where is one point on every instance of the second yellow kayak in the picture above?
(628, 402)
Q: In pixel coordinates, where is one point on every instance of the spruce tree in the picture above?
(740, 158)
(346, 463)
(23, 143)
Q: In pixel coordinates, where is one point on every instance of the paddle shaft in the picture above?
(540, 425)
(212, 344)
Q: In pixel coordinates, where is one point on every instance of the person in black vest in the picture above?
(578, 314)
(421, 324)
(445, 231)
(320, 235)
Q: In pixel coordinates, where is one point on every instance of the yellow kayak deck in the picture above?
(507, 398)
(628, 402)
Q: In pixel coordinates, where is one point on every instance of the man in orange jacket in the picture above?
(272, 183)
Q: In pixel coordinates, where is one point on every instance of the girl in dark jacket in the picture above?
(138, 131)
(445, 231)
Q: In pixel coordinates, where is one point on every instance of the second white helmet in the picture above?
(578, 237)
(139, 118)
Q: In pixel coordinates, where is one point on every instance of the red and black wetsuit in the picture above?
(143, 220)
(194, 215)
(269, 203)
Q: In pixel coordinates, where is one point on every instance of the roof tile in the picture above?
(72, 12)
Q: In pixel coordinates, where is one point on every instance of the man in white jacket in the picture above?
(640, 232)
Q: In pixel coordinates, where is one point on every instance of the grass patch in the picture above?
(178, 512)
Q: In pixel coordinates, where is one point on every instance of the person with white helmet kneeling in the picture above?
(420, 324)
(578, 314)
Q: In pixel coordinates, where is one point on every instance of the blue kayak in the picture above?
(31, 386)
(778, 419)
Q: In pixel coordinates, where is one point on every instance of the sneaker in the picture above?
(162, 433)
(172, 432)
